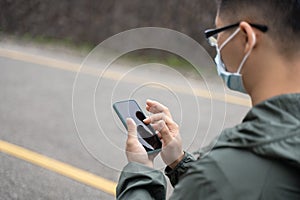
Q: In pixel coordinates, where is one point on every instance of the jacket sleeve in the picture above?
(193, 179)
(175, 174)
(141, 182)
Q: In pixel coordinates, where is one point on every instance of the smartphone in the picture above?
(146, 134)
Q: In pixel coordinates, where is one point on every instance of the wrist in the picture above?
(175, 163)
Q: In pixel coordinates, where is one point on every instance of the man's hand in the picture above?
(168, 131)
(135, 151)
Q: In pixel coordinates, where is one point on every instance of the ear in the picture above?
(250, 36)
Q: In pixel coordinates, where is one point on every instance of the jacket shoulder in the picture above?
(229, 173)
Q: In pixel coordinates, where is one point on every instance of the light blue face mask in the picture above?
(233, 81)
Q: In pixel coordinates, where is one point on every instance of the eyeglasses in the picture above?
(209, 34)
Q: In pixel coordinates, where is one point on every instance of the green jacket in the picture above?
(257, 159)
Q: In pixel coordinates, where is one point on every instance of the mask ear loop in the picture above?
(247, 55)
(230, 38)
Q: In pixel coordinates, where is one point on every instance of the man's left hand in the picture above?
(135, 151)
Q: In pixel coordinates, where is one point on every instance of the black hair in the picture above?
(281, 16)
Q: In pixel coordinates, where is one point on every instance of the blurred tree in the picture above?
(93, 21)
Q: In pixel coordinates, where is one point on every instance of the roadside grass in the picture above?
(65, 42)
(134, 58)
(168, 59)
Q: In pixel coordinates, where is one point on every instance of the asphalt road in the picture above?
(43, 109)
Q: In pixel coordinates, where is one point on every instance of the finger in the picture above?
(159, 135)
(157, 117)
(147, 120)
(156, 107)
(131, 128)
(165, 133)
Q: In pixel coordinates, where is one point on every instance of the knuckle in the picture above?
(165, 109)
(155, 107)
(176, 125)
(164, 117)
(156, 117)
(150, 118)
(161, 124)
(130, 129)
(130, 142)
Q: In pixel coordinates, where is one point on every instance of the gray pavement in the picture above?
(36, 113)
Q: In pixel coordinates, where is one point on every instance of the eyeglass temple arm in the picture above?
(210, 32)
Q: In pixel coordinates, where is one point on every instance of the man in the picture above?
(258, 52)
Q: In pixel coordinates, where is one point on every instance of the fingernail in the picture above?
(146, 120)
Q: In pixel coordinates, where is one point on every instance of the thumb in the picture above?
(131, 128)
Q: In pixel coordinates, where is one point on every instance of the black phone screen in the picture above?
(146, 134)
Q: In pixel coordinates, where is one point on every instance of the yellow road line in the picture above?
(39, 60)
(59, 167)
(63, 65)
(68, 170)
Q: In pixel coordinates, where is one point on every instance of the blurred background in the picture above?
(89, 22)
(45, 153)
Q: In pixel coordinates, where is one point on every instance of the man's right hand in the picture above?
(168, 131)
